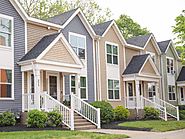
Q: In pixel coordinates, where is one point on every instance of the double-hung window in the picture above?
(112, 54)
(5, 83)
(73, 84)
(169, 65)
(78, 43)
(5, 32)
(113, 89)
(151, 90)
(171, 92)
(83, 91)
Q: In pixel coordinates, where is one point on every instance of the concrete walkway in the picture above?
(177, 134)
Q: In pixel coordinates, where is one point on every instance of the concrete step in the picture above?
(78, 117)
(80, 120)
(85, 127)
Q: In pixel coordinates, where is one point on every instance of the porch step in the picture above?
(82, 123)
(80, 120)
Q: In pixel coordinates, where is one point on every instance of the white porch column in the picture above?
(137, 96)
(23, 99)
(77, 84)
(157, 89)
(37, 89)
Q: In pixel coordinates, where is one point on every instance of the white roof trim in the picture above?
(66, 44)
(152, 63)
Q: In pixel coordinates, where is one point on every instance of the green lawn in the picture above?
(57, 135)
(156, 125)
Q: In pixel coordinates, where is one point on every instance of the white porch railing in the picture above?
(170, 109)
(131, 102)
(86, 110)
(28, 102)
(148, 103)
(49, 104)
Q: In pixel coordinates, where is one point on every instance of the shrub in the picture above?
(121, 113)
(181, 107)
(54, 118)
(182, 114)
(37, 119)
(106, 111)
(151, 113)
(7, 119)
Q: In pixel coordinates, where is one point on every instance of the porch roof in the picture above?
(135, 64)
(39, 47)
(181, 76)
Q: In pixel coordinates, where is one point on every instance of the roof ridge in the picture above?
(103, 22)
(140, 36)
(164, 41)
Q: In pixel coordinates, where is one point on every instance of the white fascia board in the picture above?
(26, 62)
(134, 46)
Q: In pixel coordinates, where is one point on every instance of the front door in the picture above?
(182, 96)
(53, 85)
(31, 97)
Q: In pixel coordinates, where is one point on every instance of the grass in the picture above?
(156, 125)
(58, 135)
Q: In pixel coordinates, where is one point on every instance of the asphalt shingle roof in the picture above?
(181, 76)
(163, 45)
(135, 64)
(40, 47)
(139, 40)
(61, 18)
(99, 29)
(179, 52)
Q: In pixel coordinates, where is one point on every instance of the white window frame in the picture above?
(82, 36)
(74, 87)
(110, 43)
(170, 58)
(151, 98)
(85, 89)
(182, 98)
(172, 93)
(152, 54)
(9, 48)
(130, 98)
(113, 90)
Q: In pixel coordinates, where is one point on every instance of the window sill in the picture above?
(114, 99)
(6, 98)
(112, 64)
(2, 47)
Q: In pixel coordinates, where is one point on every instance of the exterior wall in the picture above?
(169, 53)
(59, 53)
(25, 82)
(129, 53)
(44, 81)
(150, 48)
(179, 66)
(111, 37)
(35, 33)
(76, 26)
(6, 8)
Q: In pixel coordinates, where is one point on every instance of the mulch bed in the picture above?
(114, 125)
(24, 128)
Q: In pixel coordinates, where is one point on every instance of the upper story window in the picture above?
(5, 31)
(5, 83)
(171, 92)
(112, 54)
(170, 65)
(78, 43)
(152, 55)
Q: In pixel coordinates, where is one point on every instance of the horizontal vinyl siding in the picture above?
(19, 49)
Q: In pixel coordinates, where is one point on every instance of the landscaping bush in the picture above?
(182, 114)
(54, 118)
(181, 107)
(7, 119)
(151, 113)
(106, 111)
(37, 119)
(121, 113)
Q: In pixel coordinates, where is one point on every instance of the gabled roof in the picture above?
(40, 47)
(99, 29)
(181, 76)
(163, 45)
(135, 64)
(61, 18)
(139, 40)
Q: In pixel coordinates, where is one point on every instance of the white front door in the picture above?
(31, 96)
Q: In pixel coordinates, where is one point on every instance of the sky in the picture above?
(157, 15)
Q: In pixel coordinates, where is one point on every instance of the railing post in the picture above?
(141, 101)
(45, 102)
(154, 101)
(177, 113)
(165, 113)
(98, 117)
(72, 111)
(23, 103)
